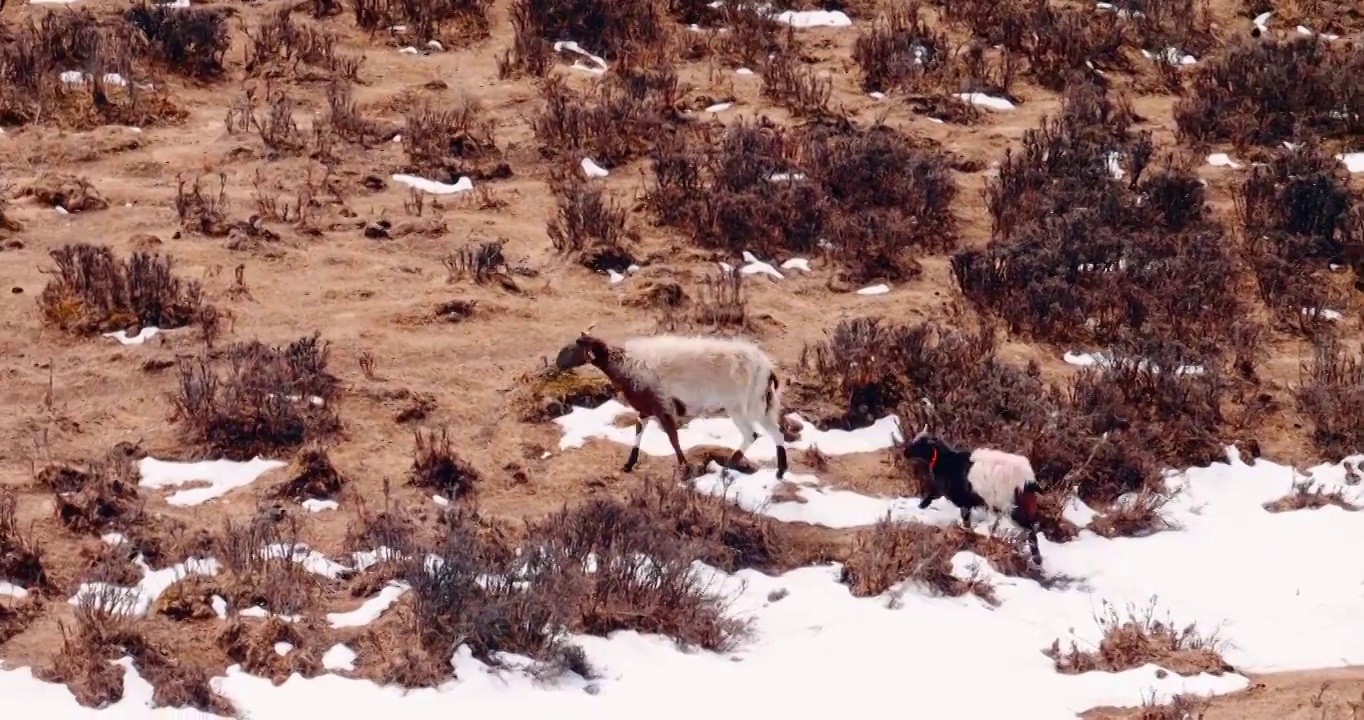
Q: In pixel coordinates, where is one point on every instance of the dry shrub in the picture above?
(91, 291)
(262, 572)
(202, 212)
(728, 537)
(1296, 211)
(1140, 638)
(797, 87)
(21, 558)
(594, 570)
(189, 599)
(1339, 17)
(1245, 96)
(620, 118)
(312, 477)
(550, 393)
(481, 263)
(96, 497)
(100, 636)
(447, 143)
(190, 41)
(1331, 396)
(1057, 41)
(251, 644)
(1135, 515)
(392, 532)
(454, 23)
(717, 305)
(871, 199)
(1180, 707)
(37, 53)
(280, 47)
(436, 466)
(591, 226)
(253, 399)
(17, 615)
(892, 552)
(737, 34)
(901, 53)
(1079, 256)
(1308, 494)
(69, 192)
(610, 29)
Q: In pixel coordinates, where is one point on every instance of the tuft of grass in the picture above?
(1308, 494)
(436, 466)
(253, 399)
(1141, 637)
(549, 393)
(91, 291)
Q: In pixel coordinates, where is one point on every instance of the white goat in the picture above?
(669, 377)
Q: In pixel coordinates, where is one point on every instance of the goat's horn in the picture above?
(589, 328)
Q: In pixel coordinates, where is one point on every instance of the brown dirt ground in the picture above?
(362, 294)
(1316, 695)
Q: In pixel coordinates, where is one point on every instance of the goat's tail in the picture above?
(772, 397)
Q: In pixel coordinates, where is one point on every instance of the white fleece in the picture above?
(996, 474)
(708, 375)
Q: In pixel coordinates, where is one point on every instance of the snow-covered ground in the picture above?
(1271, 583)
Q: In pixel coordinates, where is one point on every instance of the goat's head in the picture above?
(586, 349)
(925, 443)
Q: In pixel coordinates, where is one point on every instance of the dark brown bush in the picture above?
(454, 23)
(611, 29)
(255, 399)
(874, 197)
(591, 226)
(21, 558)
(1331, 397)
(189, 41)
(1300, 217)
(447, 143)
(436, 466)
(1080, 256)
(312, 477)
(1247, 96)
(625, 114)
(1308, 494)
(37, 52)
(91, 291)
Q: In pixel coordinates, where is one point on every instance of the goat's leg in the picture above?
(966, 518)
(928, 499)
(748, 433)
(773, 429)
(669, 425)
(639, 438)
(1032, 545)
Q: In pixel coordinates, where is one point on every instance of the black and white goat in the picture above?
(1001, 482)
(671, 377)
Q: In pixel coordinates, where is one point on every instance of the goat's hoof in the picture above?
(628, 468)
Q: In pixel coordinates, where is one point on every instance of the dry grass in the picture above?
(1308, 494)
(1140, 637)
(92, 291)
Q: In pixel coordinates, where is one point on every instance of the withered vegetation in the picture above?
(253, 399)
(1140, 637)
(92, 291)
(870, 199)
